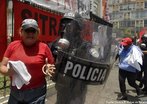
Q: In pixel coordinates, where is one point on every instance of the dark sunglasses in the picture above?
(30, 31)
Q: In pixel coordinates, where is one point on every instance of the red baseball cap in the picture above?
(126, 41)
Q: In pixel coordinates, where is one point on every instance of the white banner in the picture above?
(81, 6)
(57, 5)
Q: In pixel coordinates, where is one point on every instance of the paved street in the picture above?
(105, 94)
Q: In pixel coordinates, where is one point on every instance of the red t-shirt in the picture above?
(33, 57)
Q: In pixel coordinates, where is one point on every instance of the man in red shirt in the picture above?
(33, 54)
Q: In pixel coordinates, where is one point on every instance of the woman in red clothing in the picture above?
(33, 54)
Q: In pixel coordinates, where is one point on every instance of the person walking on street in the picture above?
(23, 62)
(129, 59)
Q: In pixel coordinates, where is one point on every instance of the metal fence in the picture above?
(4, 85)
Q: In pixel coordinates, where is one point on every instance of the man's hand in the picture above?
(49, 69)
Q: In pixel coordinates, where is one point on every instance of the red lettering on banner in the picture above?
(48, 22)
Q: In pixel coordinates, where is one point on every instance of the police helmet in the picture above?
(73, 16)
(144, 36)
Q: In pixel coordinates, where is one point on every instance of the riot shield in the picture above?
(83, 62)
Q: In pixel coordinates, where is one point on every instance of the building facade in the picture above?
(130, 14)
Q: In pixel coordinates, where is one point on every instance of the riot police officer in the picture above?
(70, 90)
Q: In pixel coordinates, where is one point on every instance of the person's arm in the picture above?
(144, 51)
(49, 67)
(116, 57)
(3, 67)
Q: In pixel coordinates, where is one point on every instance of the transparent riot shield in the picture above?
(83, 63)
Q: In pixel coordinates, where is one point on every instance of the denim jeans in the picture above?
(32, 96)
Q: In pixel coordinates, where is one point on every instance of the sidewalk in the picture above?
(108, 93)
